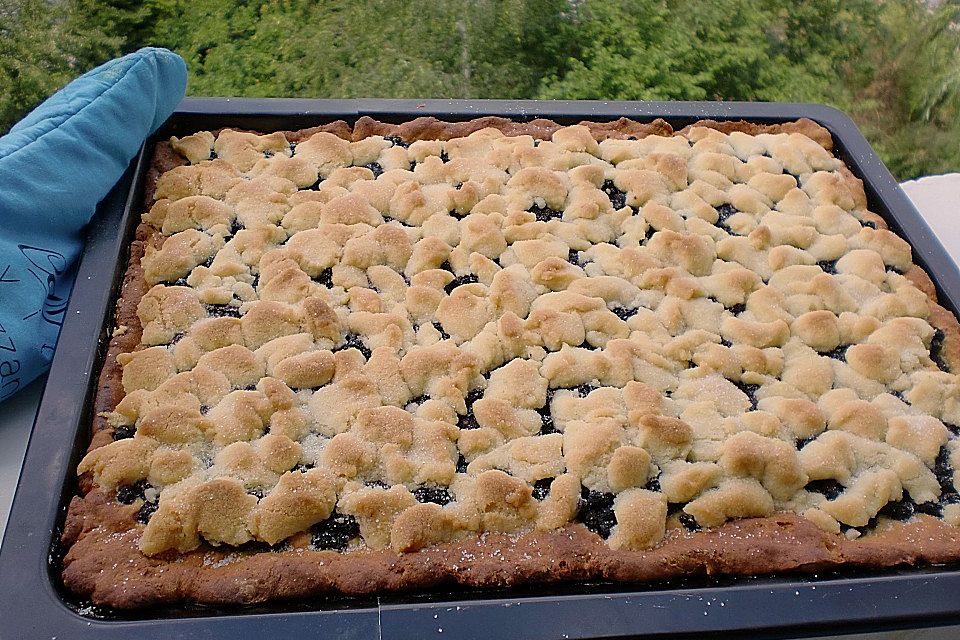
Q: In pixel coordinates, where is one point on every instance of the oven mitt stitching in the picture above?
(55, 166)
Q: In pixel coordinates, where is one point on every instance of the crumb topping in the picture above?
(393, 344)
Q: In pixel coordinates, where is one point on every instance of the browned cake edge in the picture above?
(103, 562)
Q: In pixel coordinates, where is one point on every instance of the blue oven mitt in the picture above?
(55, 166)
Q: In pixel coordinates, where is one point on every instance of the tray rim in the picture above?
(25, 580)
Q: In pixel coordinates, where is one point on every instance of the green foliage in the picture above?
(893, 64)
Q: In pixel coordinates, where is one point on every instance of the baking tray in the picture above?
(36, 605)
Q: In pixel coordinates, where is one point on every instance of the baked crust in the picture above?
(750, 475)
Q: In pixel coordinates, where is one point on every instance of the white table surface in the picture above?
(937, 198)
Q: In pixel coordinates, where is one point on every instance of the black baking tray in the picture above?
(35, 604)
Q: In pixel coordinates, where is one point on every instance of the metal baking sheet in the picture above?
(37, 606)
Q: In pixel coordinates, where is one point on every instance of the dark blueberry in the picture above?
(145, 511)
(899, 510)
(235, 226)
(377, 484)
(541, 488)
(444, 157)
(303, 468)
(223, 311)
(177, 338)
(899, 395)
(584, 390)
(335, 532)
(750, 390)
(439, 327)
(689, 522)
(596, 512)
(674, 507)
(250, 387)
(536, 142)
(724, 211)
(648, 236)
(653, 484)
(256, 281)
(802, 442)
(325, 278)
(828, 266)
(460, 280)
(936, 350)
(617, 197)
(376, 168)
(209, 261)
(868, 223)
(726, 343)
(574, 257)
(944, 472)
(468, 420)
(124, 431)
(840, 353)
(546, 418)
(737, 309)
(933, 508)
(623, 312)
(213, 155)
(436, 495)
(397, 141)
(181, 282)
(829, 488)
(892, 269)
(544, 214)
(256, 492)
(353, 341)
(461, 464)
(129, 493)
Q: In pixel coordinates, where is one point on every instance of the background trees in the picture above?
(894, 65)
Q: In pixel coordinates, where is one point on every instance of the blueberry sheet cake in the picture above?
(366, 358)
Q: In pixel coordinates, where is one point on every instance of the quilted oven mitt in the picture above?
(55, 166)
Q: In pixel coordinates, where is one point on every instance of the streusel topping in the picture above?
(396, 344)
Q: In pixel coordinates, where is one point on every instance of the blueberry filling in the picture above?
(335, 532)
(689, 522)
(436, 495)
(737, 309)
(235, 226)
(596, 512)
(316, 185)
(468, 420)
(544, 214)
(724, 211)
(892, 269)
(899, 510)
(726, 343)
(439, 327)
(303, 467)
(574, 257)
(461, 280)
(146, 511)
(546, 418)
(623, 312)
(936, 350)
(376, 168)
(648, 236)
(617, 197)
(130, 493)
(802, 442)
(653, 484)
(256, 492)
(444, 157)
(376, 484)
(583, 390)
(124, 431)
(840, 353)
(828, 266)
(223, 311)
(750, 390)
(353, 341)
(944, 472)
(180, 282)
(541, 488)
(461, 464)
(829, 488)
(325, 278)
(397, 141)
(869, 223)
